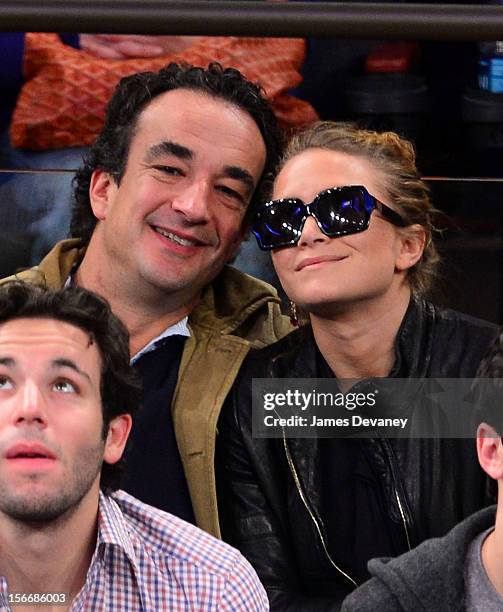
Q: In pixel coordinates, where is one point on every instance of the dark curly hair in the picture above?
(120, 388)
(133, 93)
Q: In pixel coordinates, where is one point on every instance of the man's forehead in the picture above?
(43, 332)
(197, 113)
(181, 99)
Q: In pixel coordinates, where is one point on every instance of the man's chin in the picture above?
(36, 512)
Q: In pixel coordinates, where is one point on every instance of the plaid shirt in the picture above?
(149, 560)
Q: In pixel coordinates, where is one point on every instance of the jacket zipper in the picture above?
(311, 514)
(402, 514)
(395, 488)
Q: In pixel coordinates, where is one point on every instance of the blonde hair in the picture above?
(395, 158)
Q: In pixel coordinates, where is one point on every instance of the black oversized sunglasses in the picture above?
(338, 211)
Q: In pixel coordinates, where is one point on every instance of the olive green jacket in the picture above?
(236, 312)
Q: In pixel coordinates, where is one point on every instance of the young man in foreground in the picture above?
(67, 396)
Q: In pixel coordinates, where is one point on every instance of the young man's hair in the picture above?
(133, 93)
(488, 394)
(120, 388)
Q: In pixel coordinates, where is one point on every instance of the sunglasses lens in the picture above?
(279, 223)
(338, 211)
(342, 211)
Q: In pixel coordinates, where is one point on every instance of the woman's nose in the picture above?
(311, 233)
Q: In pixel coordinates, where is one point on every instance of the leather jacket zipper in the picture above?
(400, 503)
(402, 514)
(311, 514)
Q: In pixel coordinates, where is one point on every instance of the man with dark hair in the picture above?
(67, 536)
(464, 569)
(161, 206)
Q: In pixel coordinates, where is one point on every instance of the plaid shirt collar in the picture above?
(112, 532)
(146, 560)
(113, 529)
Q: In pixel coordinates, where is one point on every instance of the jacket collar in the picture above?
(230, 300)
(412, 347)
(57, 265)
(413, 343)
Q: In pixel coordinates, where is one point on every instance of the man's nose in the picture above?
(30, 406)
(311, 233)
(193, 202)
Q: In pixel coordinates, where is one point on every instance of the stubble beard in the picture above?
(53, 505)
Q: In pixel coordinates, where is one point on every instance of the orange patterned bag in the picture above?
(62, 103)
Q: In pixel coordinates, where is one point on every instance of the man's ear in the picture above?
(412, 243)
(490, 451)
(102, 188)
(118, 433)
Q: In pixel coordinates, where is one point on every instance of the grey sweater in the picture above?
(428, 578)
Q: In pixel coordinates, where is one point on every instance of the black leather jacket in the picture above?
(269, 489)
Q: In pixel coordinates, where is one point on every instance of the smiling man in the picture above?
(161, 206)
(67, 536)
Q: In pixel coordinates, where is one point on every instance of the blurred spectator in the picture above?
(36, 207)
(124, 46)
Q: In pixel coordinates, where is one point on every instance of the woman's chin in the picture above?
(319, 308)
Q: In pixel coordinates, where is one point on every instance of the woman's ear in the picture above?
(412, 241)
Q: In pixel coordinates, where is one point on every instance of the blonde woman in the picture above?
(349, 227)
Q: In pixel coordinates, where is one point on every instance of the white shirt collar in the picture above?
(180, 328)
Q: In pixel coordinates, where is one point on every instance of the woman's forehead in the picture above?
(313, 170)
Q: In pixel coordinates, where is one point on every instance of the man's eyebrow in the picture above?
(235, 172)
(7, 361)
(167, 147)
(68, 363)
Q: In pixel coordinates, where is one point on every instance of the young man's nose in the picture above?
(311, 233)
(30, 405)
(193, 202)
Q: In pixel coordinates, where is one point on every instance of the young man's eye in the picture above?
(64, 386)
(5, 382)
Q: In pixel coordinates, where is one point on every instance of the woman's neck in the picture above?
(359, 341)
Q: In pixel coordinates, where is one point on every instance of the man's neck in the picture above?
(146, 315)
(49, 558)
(492, 553)
(359, 342)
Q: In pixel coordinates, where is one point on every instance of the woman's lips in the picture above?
(312, 261)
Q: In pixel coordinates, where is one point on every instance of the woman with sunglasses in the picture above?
(350, 229)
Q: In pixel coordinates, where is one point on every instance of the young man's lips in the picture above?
(29, 451)
(31, 464)
(311, 261)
